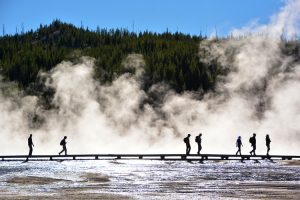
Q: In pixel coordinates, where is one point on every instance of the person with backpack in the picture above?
(268, 141)
(30, 145)
(252, 140)
(239, 144)
(63, 143)
(187, 143)
(198, 140)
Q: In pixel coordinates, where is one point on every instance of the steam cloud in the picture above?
(260, 94)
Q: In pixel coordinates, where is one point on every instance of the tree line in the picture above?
(172, 58)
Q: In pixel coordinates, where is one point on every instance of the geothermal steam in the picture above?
(260, 94)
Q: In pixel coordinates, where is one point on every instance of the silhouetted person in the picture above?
(252, 140)
(187, 143)
(63, 143)
(239, 144)
(30, 145)
(198, 140)
(268, 141)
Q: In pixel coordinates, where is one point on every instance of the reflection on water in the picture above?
(142, 179)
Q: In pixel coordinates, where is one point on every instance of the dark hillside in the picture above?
(170, 57)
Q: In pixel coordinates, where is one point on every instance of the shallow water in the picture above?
(145, 179)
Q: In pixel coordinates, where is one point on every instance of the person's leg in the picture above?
(61, 151)
(65, 148)
(30, 151)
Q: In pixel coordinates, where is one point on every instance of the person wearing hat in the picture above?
(63, 143)
(187, 143)
(239, 144)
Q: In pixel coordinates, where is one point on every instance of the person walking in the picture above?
(239, 144)
(30, 145)
(252, 140)
(198, 140)
(63, 143)
(268, 141)
(187, 143)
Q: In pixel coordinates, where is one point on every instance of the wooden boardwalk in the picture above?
(173, 157)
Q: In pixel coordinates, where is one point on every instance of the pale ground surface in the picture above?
(142, 179)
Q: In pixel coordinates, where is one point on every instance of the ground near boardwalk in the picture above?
(144, 179)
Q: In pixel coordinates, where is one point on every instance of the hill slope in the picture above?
(171, 58)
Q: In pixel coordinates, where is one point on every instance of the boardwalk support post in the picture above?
(119, 157)
(96, 157)
(74, 158)
(162, 157)
(183, 157)
(50, 157)
(140, 157)
(245, 158)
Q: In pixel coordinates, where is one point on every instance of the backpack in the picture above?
(185, 140)
(251, 140)
(197, 139)
(61, 142)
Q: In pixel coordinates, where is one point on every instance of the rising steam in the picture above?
(260, 94)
